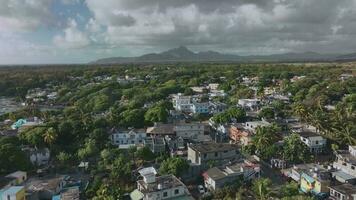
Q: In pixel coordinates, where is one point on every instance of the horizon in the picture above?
(81, 31)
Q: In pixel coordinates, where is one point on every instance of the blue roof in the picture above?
(308, 178)
(13, 189)
(57, 197)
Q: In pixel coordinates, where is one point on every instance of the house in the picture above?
(200, 108)
(249, 104)
(314, 141)
(174, 143)
(239, 135)
(182, 103)
(193, 131)
(252, 125)
(296, 171)
(44, 188)
(71, 193)
(213, 86)
(161, 130)
(155, 144)
(127, 138)
(25, 123)
(205, 153)
(217, 107)
(13, 193)
(346, 161)
(316, 181)
(19, 177)
(218, 177)
(154, 187)
(37, 157)
(343, 192)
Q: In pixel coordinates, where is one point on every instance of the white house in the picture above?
(201, 108)
(38, 157)
(127, 138)
(315, 142)
(346, 161)
(218, 177)
(182, 103)
(252, 126)
(154, 187)
(249, 104)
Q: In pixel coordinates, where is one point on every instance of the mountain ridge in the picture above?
(183, 54)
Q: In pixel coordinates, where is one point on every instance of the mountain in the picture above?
(183, 54)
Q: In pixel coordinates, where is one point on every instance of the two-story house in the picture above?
(314, 141)
(345, 162)
(342, 192)
(154, 187)
(127, 138)
(212, 153)
(218, 177)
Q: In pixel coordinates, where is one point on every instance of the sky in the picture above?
(79, 31)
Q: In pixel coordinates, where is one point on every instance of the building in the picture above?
(346, 161)
(38, 157)
(203, 153)
(71, 193)
(18, 176)
(155, 144)
(13, 193)
(239, 135)
(161, 130)
(249, 104)
(217, 107)
(314, 141)
(200, 108)
(44, 188)
(252, 126)
(193, 131)
(127, 138)
(343, 192)
(182, 103)
(154, 187)
(316, 181)
(218, 177)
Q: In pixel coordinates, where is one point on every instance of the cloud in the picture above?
(72, 38)
(243, 26)
(24, 15)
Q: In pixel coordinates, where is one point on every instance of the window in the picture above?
(216, 154)
(165, 194)
(316, 142)
(204, 155)
(8, 197)
(176, 191)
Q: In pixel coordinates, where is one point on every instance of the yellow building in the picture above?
(315, 182)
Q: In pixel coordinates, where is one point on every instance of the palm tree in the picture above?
(262, 189)
(300, 110)
(50, 136)
(264, 137)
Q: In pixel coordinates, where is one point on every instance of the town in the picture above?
(214, 131)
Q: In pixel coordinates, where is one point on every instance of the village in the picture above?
(213, 145)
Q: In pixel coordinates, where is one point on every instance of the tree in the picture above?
(145, 154)
(12, 158)
(294, 150)
(63, 158)
(156, 114)
(264, 138)
(50, 136)
(290, 189)
(121, 169)
(262, 188)
(267, 113)
(88, 150)
(176, 166)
